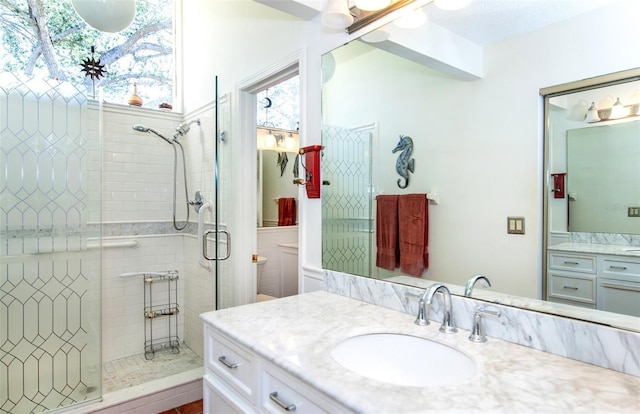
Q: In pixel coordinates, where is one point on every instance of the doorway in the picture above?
(248, 93)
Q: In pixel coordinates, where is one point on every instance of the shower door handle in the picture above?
(205, 241)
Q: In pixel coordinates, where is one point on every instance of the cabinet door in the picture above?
(217, 400)
(230, 362)
(619, 296)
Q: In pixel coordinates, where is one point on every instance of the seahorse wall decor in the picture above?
(404, 164)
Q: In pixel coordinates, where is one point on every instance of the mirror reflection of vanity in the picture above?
(478, 141)
(593, 207)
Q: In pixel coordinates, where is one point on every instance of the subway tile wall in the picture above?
(138, 205)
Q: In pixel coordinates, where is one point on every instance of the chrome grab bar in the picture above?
(205, 241)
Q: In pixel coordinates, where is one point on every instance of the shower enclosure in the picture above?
(50, 256)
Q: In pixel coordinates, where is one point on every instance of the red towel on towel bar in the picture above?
(287, 211)
(413, 234)
(387, 232)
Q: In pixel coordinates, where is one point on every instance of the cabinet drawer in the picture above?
(572, 263)
(282, 393)
(570, 287)
(234, 365)
(621, 269)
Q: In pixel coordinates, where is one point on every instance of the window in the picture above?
(59, 45)
(278, 106)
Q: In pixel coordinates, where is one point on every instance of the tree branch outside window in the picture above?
(47, 38)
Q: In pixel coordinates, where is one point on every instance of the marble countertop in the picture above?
(611, 249)
(298, 333)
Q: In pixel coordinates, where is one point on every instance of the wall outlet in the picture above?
(515, 225)
(633, 212)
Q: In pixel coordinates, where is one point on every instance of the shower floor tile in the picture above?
(134, 370)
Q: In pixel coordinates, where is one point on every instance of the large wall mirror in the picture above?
(476, 117)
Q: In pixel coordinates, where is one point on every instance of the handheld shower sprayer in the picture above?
(142, 128)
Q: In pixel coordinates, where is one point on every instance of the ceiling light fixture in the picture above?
(106, 15)
(452, 4)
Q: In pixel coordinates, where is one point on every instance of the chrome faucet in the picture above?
(477, 332)
(424, 306)
(472, 282)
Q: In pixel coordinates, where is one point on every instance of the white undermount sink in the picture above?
(403, 360)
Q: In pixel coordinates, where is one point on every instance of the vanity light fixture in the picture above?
(274, 139)
(592, 113)
(371, 5)
(290, 143)
(106, 15)
(618, 110)
(337, 15)
(269, 140)
(452, 4)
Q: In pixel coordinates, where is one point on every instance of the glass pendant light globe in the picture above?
(106, 15)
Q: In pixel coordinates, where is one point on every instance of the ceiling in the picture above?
(487, 22)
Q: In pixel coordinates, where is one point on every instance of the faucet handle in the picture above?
(477, 332)
(421, 318)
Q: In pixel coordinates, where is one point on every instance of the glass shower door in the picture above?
(50, 260)
(347, 220)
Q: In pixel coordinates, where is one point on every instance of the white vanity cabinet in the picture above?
(571, 279)
(619, 285)
(237, 380)
(605, 282)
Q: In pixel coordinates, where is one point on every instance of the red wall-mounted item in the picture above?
(312, 168)
(558, 185)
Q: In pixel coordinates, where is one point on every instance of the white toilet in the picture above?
(261, 297)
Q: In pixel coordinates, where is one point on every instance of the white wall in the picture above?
(269, 241)
(489, 147)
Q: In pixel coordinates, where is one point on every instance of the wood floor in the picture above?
(191, 408)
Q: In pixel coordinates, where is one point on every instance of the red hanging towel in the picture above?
(387, 232)
(287, 211)
(413, 223)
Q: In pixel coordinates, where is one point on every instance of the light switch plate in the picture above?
(515, 225)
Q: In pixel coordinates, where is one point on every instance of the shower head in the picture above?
(184, 127)
(143, 128)
(140, 128)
